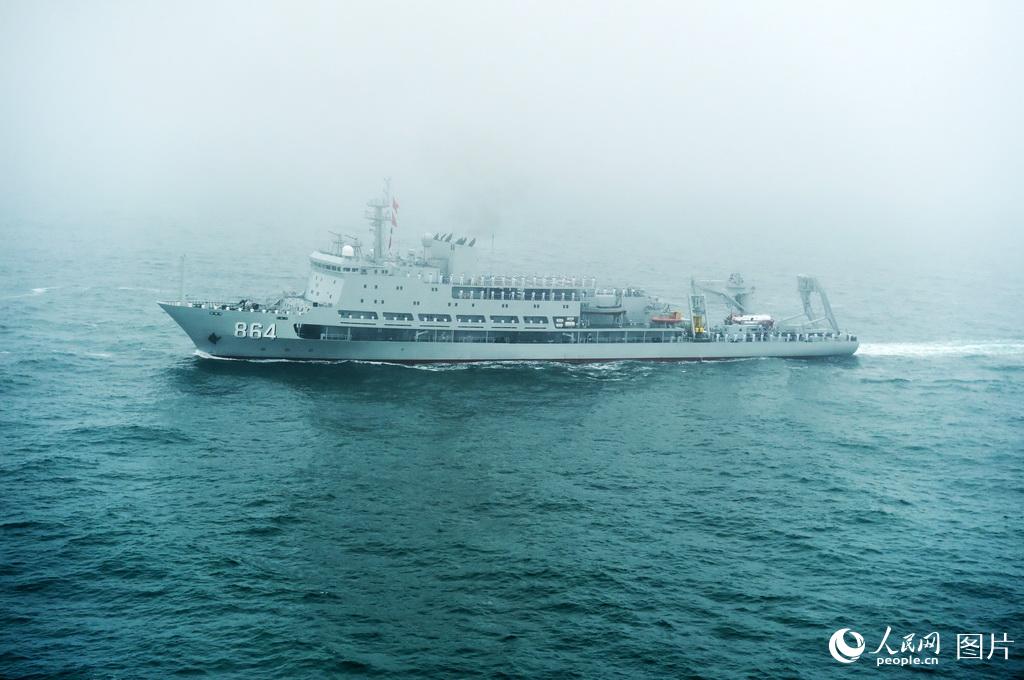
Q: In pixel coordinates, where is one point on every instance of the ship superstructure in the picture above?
(433, 304)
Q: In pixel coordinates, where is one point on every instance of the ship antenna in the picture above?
(339, 242)
(181, 279)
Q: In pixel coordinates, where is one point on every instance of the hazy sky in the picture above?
(670, 118)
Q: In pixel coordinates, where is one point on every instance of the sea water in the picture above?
(164, 514)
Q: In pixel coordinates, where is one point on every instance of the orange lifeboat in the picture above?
(672, 319)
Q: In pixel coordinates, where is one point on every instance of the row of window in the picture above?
(505, 293)
(356, 314)
(440, 318)
(480, 318)
(319, 332)
(417, 302)
(339, 268)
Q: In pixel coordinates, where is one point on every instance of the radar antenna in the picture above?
(342, 240)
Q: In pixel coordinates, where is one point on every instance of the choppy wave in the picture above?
(534, 519)
(439, 366)
(589, 367)
(941, 349)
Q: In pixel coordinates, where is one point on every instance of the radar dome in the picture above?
(348, 251)
(427, 240)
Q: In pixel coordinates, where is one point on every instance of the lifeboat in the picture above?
(672, 319)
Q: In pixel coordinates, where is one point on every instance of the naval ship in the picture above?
(433, 304)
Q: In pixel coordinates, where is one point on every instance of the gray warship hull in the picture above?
(214, 334)
(435, 305)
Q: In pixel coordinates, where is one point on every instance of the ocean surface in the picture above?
(163, 514)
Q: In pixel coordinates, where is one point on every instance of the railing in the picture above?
(517, 336)
(247, 306)
(781, 337)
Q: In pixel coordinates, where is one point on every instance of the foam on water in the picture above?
(941, 349)
(32, 293)
(246, 360)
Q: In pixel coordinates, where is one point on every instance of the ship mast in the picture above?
(378, 212)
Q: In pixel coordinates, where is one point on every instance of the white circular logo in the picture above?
(842, 652)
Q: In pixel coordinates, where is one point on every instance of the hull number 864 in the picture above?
(255, 330)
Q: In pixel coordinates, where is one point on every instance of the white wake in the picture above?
(941, 349)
